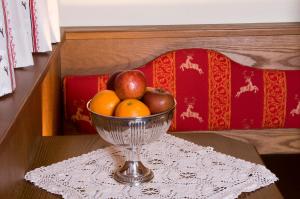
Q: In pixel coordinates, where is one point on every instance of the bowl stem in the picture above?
(133, 172)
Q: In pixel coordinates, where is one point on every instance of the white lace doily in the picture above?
(181, 170)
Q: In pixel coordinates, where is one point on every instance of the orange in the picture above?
(132, 108)
(104, 102)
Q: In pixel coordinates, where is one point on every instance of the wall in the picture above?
(167, 12)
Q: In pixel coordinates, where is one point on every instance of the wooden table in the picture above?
(58, 148)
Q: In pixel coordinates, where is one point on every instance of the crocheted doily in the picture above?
(181, 170)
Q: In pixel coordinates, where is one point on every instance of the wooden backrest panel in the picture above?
(51, 99)
(102, 50)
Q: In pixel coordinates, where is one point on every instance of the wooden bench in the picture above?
(104, 50)
(36, 106)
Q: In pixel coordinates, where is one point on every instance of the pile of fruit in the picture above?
(127, 95)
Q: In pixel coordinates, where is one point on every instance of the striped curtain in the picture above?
(26, 26)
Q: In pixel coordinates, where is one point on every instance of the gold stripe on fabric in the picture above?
(274, 111)
(164, 76)
(219, 89)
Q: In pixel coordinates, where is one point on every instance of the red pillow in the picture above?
(212, 92)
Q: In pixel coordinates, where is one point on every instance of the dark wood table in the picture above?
(58, 148)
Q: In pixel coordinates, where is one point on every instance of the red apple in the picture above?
(130, 84)
(111, 81)
(158, 100)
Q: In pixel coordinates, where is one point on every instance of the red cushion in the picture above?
(78, 90)
(212, 92)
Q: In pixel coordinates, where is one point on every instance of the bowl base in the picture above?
(133, 173)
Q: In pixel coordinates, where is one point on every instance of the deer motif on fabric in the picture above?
(1, 31)
(79, 115)
(5, 68)
(249, 87)
(247, 123)
(190, 113)
(189, 65)
(296, 111)
(24, 4)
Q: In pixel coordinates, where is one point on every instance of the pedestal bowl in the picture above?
(131, 133)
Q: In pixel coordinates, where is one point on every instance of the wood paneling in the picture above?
(27, 79)
(51, 99)
(21, 123)
(58, 148)
(101, 50)
(18, 147)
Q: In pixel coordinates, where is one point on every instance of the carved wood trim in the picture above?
(106, 49)
(171, 31)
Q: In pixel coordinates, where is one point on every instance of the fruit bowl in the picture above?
(131, 133)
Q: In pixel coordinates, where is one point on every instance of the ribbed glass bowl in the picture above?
(132, 133)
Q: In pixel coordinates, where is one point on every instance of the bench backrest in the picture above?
(212, 92)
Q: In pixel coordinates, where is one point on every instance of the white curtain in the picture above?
(26, 26)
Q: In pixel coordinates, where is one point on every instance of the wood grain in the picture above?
(21, 123)
(51, 99)
(27, 79)
(18, 147)
(268, 141)
(102, 50)
(168, 31)
(58, 148)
